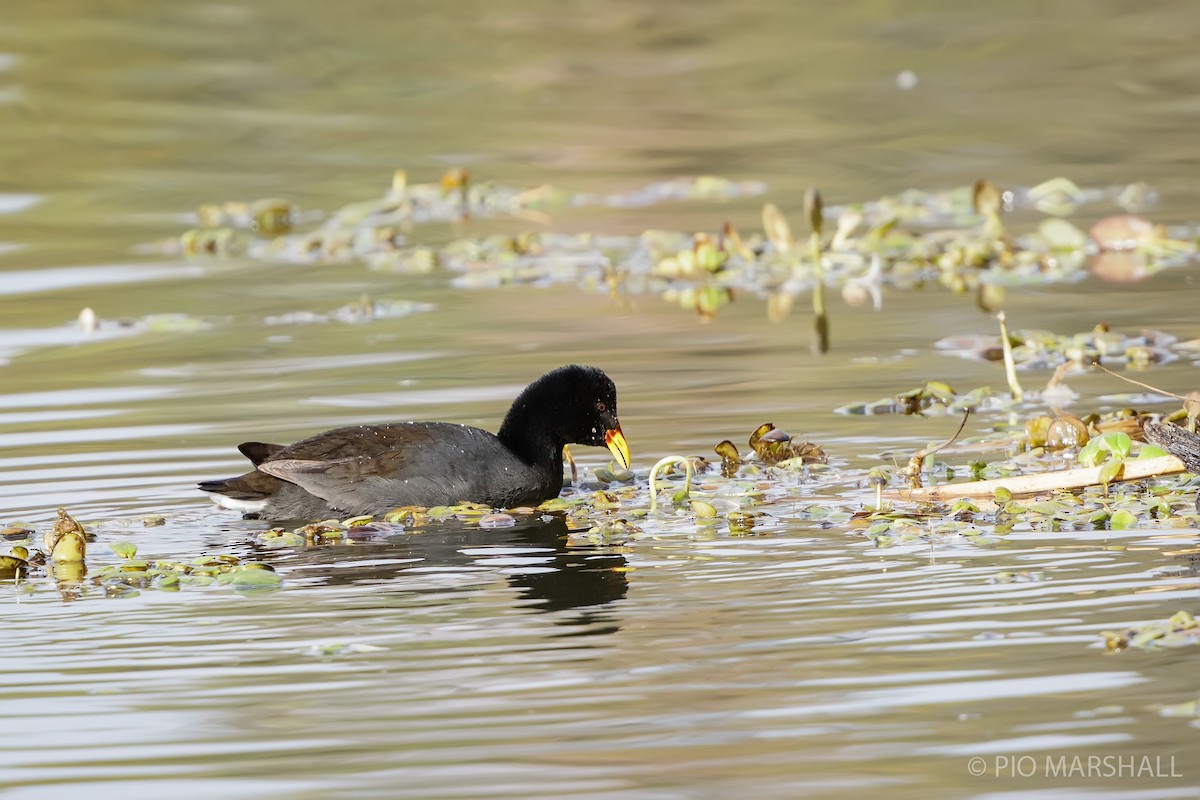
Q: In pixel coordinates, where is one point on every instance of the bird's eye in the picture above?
(601, 407)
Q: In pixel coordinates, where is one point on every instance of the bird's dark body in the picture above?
(371, 469)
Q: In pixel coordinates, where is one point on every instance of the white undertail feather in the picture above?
(244, 506)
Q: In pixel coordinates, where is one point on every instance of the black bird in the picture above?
(371, 469)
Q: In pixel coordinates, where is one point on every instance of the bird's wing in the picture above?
(259, 452)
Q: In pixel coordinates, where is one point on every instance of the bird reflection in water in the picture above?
(558, 576)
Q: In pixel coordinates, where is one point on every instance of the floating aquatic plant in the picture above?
(916, 400)
(132, 574)
(365, 309)
(67, 540)
(662, 464)
(955, 238)
(1181, 630)
(1038, 349)
(63, 562)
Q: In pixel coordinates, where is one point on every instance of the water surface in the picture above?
(458, 662)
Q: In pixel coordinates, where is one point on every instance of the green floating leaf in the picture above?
(1183, 621)
(1091, 454)
(254, 580)
(1114, 445)
(168, 582)
(1118, 443)
(1111, 471)
(9, 564)
(741, 522)
(1122, 519)
(124, 549)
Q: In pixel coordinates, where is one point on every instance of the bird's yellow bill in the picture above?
(617, 444)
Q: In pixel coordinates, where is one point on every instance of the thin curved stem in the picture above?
(662, 464)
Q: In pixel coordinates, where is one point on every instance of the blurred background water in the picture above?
(801, 663)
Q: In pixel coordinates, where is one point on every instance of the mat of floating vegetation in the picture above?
(62, 564)
(782, 483)
(954, 238)
(1040, 349)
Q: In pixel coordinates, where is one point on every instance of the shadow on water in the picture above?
(534, 556)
